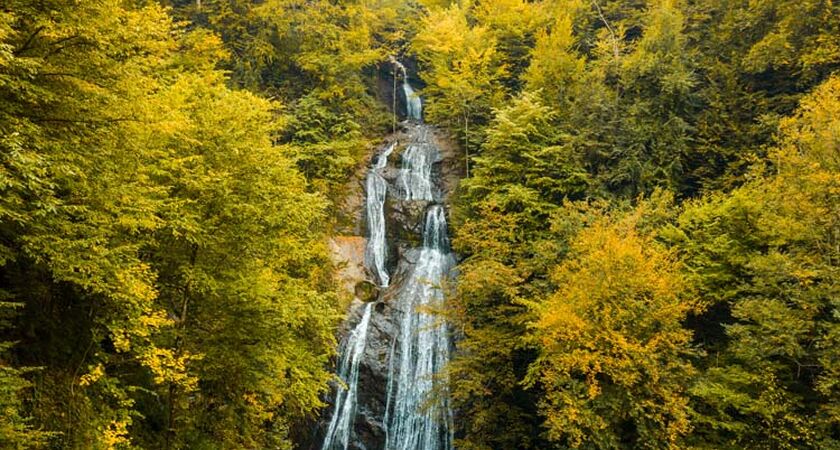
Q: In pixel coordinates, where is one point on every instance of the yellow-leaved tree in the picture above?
(613, 351)
(462, 69)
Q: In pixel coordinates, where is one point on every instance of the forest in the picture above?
(647, 225)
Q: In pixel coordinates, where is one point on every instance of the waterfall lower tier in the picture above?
(418, 416)
(344, 413)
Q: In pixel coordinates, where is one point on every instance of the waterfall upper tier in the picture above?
(414, 105)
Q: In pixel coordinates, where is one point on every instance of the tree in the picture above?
(614, 356)
(656, 100)
(766, 260)
(755, 62)
(556, 68)
(461, 68)
(167, 256)
(524, 168)
(319, 59)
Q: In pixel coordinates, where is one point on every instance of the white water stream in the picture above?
(414, 105)
(376, 253)
(414, 180)
(417, 413)
(341, 424)
(418, 416)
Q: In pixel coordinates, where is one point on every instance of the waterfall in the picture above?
(341, 424)
(376, 253)
(413, 104)
(414, 180)
(422, 348)
(413, 419)
(434, 232)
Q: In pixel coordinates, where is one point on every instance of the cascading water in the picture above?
(414, 105)
(416, 414)
(414, 181)
(376, 252)
(422, 349)
(341, 424)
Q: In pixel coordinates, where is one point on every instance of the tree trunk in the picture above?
(467, 141)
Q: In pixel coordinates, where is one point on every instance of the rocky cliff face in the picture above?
(404, 226)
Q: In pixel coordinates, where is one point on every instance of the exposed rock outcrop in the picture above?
(348, 254)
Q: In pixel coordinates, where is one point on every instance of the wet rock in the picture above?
(405, 220)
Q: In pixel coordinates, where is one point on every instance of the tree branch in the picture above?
(609, 28)
(28, 42)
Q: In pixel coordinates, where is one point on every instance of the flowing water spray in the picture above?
(341, 424)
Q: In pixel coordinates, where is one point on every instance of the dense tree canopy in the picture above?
(647, 227)
(612, 321)
(163, 272)
(613, 351)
